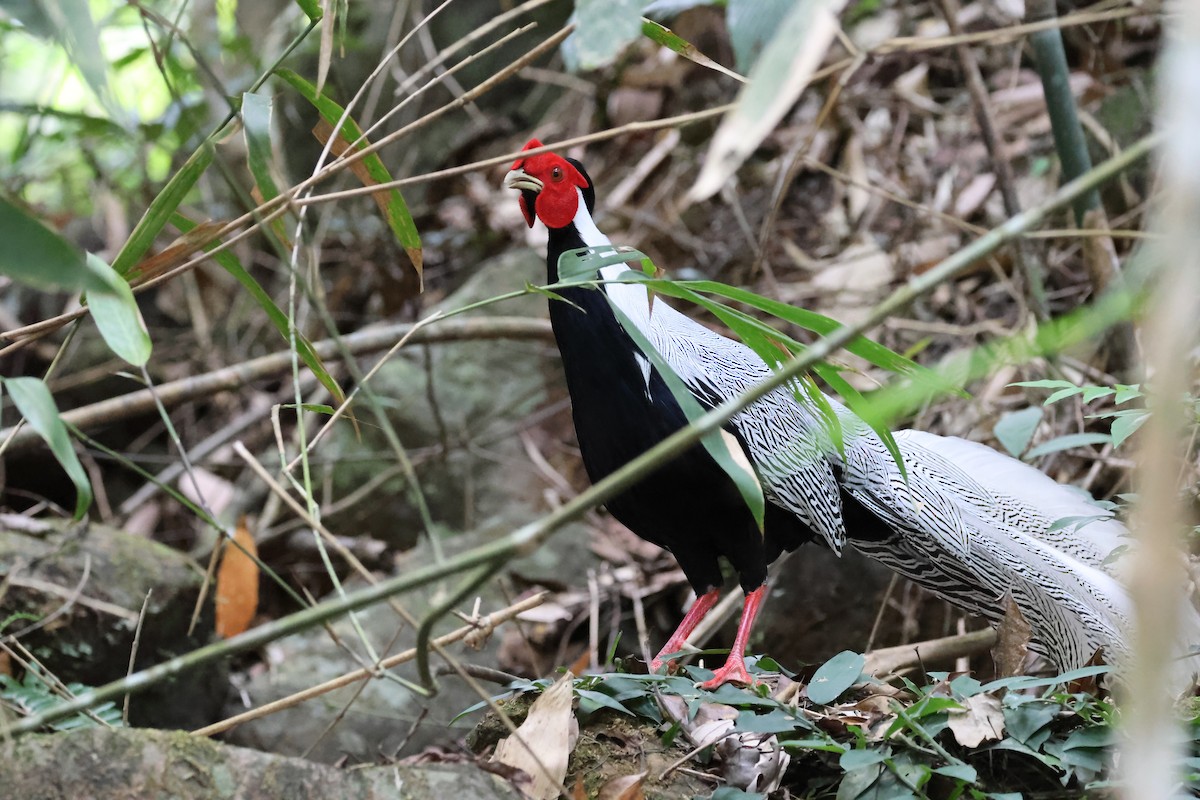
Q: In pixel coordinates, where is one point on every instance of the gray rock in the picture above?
(128, 764)
(87, 639)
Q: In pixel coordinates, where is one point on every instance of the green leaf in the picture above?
(1014, 430)
(835, 676)
(312, 9)
(591, 701)
(36, 404)
(962, 772)
(390, 201)
(1126, 425)
(746, 481)
(664, 36)
(733, 793)
(857, 759)
(1091, 393)
(117, 315)
(256, 125)
(603, 29)
(1045, 384)
(1127, 393)
(1063, 394)
(37, 256)
(304, 347)
(1068, 442)
(161, 209)
(1023, 721)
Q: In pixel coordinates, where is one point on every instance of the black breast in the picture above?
(690, 505)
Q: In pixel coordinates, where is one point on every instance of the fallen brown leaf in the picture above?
(237, 584)
(1012, 641)
(542, 745)
(980, 720)
(625, 787)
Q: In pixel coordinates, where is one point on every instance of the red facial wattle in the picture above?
(558, 200)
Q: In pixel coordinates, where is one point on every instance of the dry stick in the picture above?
(133, 650)
(529, 537)
(492, 620)
(887, 660)
(1026, 260)
(364, 341)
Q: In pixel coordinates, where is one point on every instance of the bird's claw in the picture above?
(734, 671)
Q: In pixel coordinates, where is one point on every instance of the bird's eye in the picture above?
(556, 174)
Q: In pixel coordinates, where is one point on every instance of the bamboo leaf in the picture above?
(37, 256)
(230, 263)
(117, 315)
(370, 169)
(311, 9)
(1068, 442)
(161, 209)
(660, 34)
(36, 404)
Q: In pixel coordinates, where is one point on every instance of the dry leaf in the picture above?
(626, 787)
(1012, 641)
(542, 744)
(980, 720)
(237, 585)
(177, 251)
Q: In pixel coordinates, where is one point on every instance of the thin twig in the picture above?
(492, 620)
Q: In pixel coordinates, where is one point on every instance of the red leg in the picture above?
(734, 670)
(691, 619)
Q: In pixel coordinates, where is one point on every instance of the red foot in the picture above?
(734, 671)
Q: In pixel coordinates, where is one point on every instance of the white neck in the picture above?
(591, 235)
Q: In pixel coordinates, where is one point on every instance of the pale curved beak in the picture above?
(517, 179)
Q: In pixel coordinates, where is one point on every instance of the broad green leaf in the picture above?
(372, 170)
(1127, 393)
(1014, 430)
(857, 759)
(779, 76)
(603, 29)
(1063, 394)
(962, 772)
(746, 481)
(161, 209)
(664, 36)
(304, 347)
(591, 701)
(1126, 425)
(1068, 442)
(1045, 384)
(835, 676)
(584, 264)
(117, 316)
(37, 256)
(1091, 393)
(36, 404)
